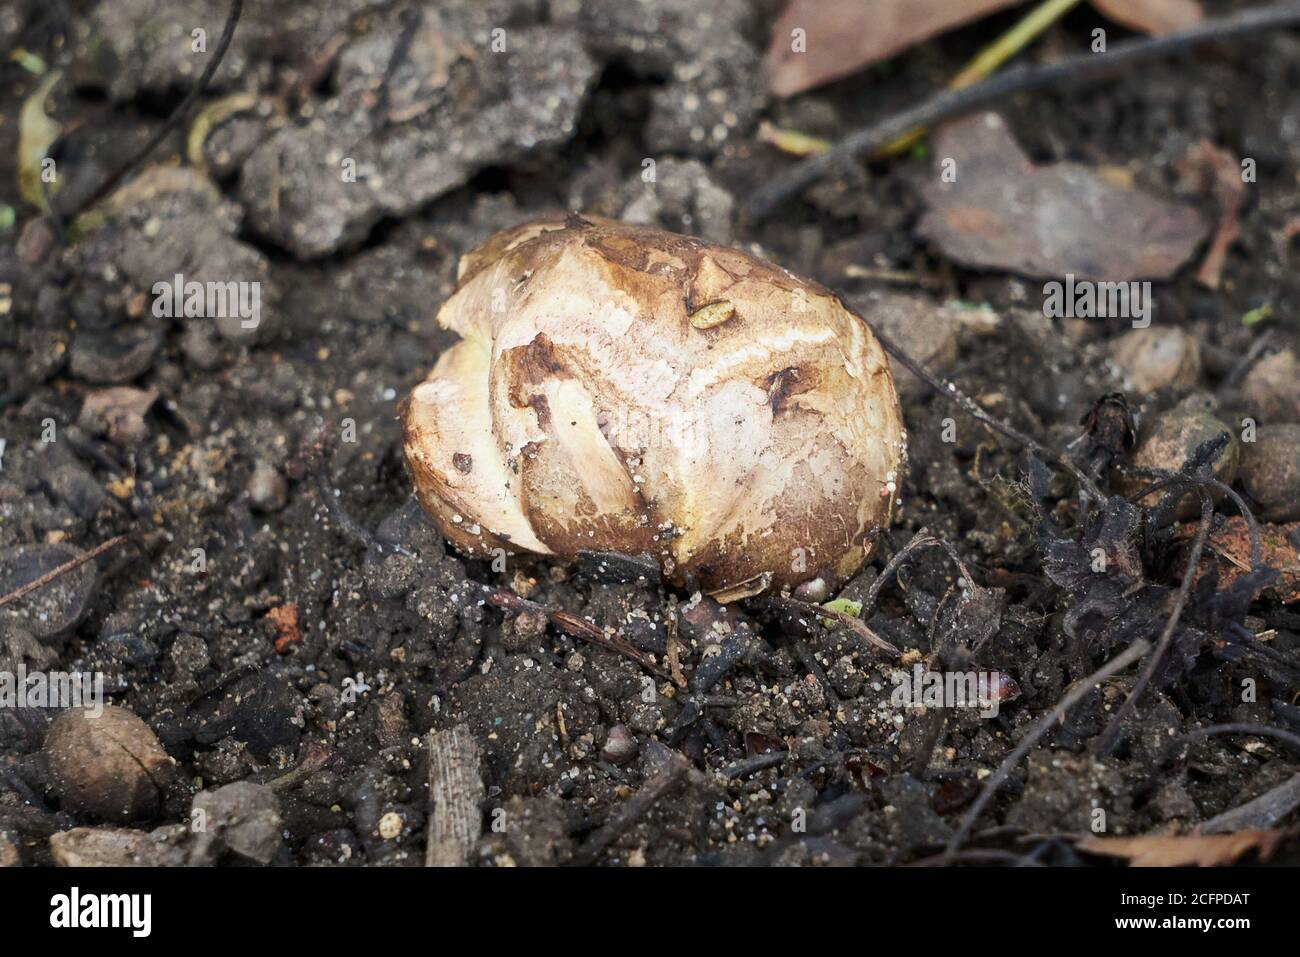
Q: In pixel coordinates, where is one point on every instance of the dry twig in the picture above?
(633, 809)
(456, 793)
(63, 569)
(573, 626)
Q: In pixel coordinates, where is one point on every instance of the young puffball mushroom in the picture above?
(621, 388)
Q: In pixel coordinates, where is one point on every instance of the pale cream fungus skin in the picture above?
(621, 388)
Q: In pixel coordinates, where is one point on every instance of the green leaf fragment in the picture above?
(36, 134)
(1257, 315)
(842, 606)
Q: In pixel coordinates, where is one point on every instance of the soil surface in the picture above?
(282, 603)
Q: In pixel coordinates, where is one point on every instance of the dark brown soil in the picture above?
(395, 634)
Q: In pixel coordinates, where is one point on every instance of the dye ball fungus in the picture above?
(620, 388)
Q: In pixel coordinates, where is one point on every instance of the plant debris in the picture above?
(999, 210)
(1189, 850)
(843, 48)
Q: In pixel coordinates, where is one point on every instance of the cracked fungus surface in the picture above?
(628, 389)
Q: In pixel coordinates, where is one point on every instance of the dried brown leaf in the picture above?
(1198, 850)
(843, 36)
(1001, 211)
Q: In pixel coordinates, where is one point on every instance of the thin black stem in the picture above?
(1260, 730)
(972, 408)
(177, 117)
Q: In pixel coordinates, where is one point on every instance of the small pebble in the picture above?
(523, 630)
(267, 489)
(1270, 472)
(1156, 358)
(1272, 388)
(390, 825)
(620, 745)
(1168, 441)
(243, 817)
(119, 847)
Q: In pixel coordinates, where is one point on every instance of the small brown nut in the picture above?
(621, 388)
(110, 765)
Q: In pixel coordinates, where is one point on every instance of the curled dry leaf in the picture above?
(1187, 850)
(999, 210)
(588, 408)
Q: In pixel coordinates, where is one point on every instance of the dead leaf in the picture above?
(746, 589)
(1195, 850)
(1001, 211)
(1152, 16)
(843, 36)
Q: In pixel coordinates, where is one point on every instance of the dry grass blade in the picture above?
(63, 569)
